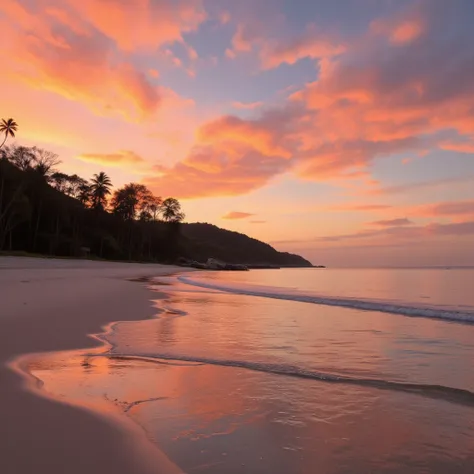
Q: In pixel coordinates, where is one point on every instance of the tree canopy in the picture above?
(44, 210)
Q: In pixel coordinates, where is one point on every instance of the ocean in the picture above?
(292, 371)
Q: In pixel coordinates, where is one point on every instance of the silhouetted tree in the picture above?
(45, 162)
(8, 127)
(150, 208)
(59, 181)
(100, 189)
(75, 186)
(84, 194)
(22, 157)
(14, 204)
(171, 210)
(44, 210)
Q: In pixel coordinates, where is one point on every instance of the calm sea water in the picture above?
(293, 371)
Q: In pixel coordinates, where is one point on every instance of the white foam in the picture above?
(416, 310)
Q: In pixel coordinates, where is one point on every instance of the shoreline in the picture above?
(62, 305)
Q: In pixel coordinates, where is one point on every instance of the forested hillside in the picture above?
(45, 211)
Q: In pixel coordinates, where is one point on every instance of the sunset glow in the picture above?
(345, 130)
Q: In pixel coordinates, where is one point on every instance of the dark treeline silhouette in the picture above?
(46, 211)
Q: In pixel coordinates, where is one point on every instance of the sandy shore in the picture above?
(49, 305)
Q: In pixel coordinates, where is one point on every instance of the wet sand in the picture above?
(52, 305)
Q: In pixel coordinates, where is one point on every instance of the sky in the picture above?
(342, 131)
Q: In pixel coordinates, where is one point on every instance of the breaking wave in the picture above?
(439, 392)
(415, 310)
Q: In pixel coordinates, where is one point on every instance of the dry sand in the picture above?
(49, 305)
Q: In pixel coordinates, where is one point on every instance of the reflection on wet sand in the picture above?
(211, 417)
(232, 420)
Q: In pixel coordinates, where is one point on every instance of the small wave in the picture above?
(439, 392)
(354, 303)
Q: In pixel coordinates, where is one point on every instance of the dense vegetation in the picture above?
(45, 211)
(206, 240)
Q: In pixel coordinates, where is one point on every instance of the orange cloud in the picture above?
(74, 49)
(461, 146)
(121, 158)
(73, 62)
(402, 28)
(312, 45)
(251, 133)
(372, 100)
(217, 170)
(237, 215)
(156, 23)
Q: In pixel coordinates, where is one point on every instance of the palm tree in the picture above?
(100, 189)
(8, 127)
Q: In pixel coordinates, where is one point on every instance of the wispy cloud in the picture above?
(361, 207)
(237, 215)
(449, 208)
(121, 158)
(247, 105)
(407, 232)
(392, 222)
(403, 188)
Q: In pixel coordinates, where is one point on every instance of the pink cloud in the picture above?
(237, 215)
(244, 37)
(362, 207)
(408, 187)
(313, 44)
(230, 54)
(462, 146)
(224, 17)
(407, 232)
(392, 222)
(156, 23)
(449, 208)
(247, 105)
(382, 93)
(406, 32)
(404, 27)
(192, 53)
(76, 63)
(74, 49)
(374, 99)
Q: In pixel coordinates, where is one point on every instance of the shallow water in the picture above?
(227, 382)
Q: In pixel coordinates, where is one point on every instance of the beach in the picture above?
(268, 371)
(53, 305)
